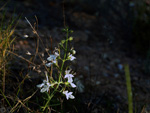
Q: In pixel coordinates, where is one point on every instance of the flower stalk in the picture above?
(65, 79)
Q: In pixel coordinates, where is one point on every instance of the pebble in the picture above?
(86, 68)
(131, 4)
(80, 86)
(2, 110)
(116, 75)
(120, 67)
(98, 82)
(105, 74)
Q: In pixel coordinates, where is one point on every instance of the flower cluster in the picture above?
(61, 79)
(53, 59)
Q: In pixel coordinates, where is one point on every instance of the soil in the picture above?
(104, 43)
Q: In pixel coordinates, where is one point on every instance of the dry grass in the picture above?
(5, 45)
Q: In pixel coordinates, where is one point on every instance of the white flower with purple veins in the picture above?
(52, 59)
(71, 58)
(70, 76)
(45, 85)
(68, 95)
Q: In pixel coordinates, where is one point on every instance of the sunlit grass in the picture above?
(6, 40)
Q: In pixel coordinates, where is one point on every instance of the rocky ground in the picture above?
(103, 41)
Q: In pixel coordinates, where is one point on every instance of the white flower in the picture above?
(56, 54)
(52, 59)
(25, 36)
(71, 57)
(45, 85)
(68, 95)
(28, 53)
(69, 76)
(48, 64)
(70, 80)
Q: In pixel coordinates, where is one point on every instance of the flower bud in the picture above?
(73, 52)
(63, 41)
(70, 38)
(71, 31)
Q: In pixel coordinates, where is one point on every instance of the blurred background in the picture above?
(107, 34)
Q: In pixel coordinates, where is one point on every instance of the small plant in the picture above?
(61, 81)
(59, 76)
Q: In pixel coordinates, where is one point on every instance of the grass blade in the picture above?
(129, 89)
(5, 98)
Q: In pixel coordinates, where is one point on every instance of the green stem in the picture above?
(63, 61)
(129, 90)
(64, 54)
(66, 43)
(50, 97)
(5, 98)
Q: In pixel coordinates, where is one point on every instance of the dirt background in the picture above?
(104, 42)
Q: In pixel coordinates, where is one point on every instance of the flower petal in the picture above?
(48, 64)
(56, 54)
(43, 90)
(68, 75)
(71, 97)
(40, 85)
(68, 95)
(67, 71)
(65, 92)
(71, 57)
(51, 58)
(54, 61)
(73, 85)
(70, 80)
